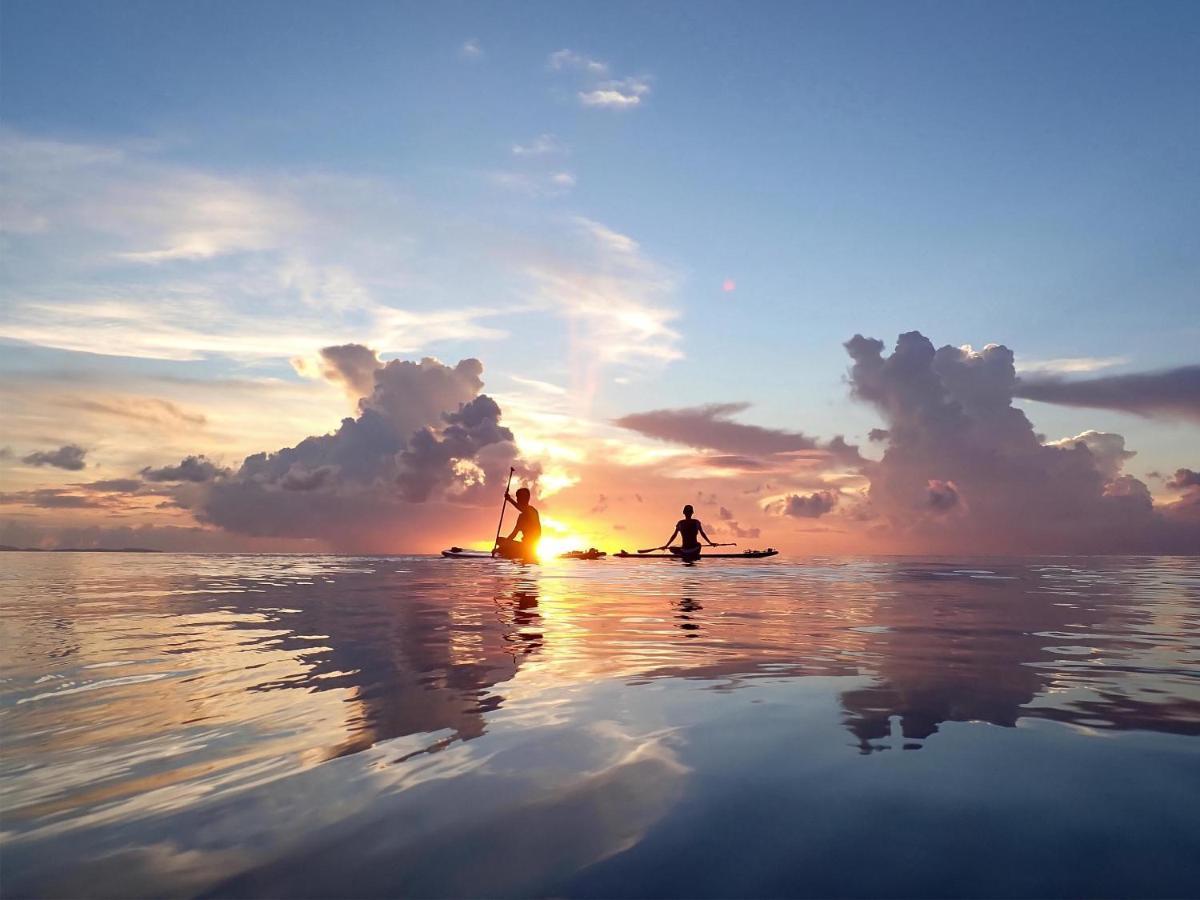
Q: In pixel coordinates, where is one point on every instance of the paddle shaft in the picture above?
(503, 504)
(667, 546)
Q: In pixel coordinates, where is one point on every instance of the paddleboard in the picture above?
(690, 557)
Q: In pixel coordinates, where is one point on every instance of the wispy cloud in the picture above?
(542, 145)
(470, 50)
(600, 90)
(568, 59)
(122, 254)
(534, 184)
(617, 296)
(1069, 365)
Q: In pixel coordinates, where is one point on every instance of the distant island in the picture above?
(77, 549)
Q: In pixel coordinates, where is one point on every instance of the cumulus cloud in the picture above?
(943, 495)
(194, 469)
(69, 456)
(1184, 478)
(425, 442)
(956, 444)
(809, 506)
(1173, 393)
(351, 366)
(616, 94)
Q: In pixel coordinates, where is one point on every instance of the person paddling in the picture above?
(529, 526)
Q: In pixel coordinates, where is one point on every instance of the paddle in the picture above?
(666, 547)
(503, 504)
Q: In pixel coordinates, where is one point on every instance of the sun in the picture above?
(557, 538)
(553, 545)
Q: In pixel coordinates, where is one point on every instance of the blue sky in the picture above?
(1018, 173)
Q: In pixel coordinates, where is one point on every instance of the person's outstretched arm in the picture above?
(705, 536)
(672, 537)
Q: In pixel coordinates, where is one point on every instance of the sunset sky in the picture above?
(636, 243)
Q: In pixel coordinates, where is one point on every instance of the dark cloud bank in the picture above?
(1174, 393)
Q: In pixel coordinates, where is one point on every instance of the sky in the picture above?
(623, 248)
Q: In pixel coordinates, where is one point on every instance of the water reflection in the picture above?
(137, 693)
(995, 644)
(688, 620)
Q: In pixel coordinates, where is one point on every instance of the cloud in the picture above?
(809, 506)
(943, 495)
(1183, 479)
(425, 443)
(534, 184)
(964, 470)
(617, 94)
(470, 50)
(195, 469)
(542, 145)
(1173, 393)
(69, 456)
(1068, 365)
(616, 298)
(350, 366)
(148, 410)
(113, 486)
(599, 89)
(733, 461)
(50, 498)
(710, 427)
(569, 59)
(124, 254)
(1107, 450)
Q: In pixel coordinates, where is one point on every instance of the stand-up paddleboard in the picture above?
(460, 553)
(692, 556)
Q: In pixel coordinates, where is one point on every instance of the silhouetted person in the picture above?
(529, 526)
(687, 529)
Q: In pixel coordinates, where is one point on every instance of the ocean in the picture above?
(325, 726)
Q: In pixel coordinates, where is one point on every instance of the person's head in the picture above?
(522, 497)
(687, 511)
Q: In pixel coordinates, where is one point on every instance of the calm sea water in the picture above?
(404, 726)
